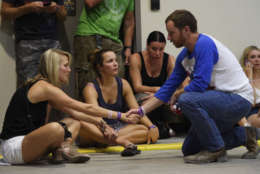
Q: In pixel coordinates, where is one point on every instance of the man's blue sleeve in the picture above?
(177, 77)
(205, 57)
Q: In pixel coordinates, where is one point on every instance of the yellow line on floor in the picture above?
(143, 147)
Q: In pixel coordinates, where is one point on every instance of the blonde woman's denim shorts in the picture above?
(12, 150)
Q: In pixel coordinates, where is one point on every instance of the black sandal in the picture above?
(130, 150)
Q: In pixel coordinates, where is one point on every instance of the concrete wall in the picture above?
(233, 22)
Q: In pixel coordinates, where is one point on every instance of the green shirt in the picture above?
(105, 19)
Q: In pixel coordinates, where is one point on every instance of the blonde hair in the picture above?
(50, 64)
(245, 54)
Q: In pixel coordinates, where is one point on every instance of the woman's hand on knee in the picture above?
(153, 134)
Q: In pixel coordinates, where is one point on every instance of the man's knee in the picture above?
(184, 99)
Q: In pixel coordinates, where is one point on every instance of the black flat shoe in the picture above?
(130, 151)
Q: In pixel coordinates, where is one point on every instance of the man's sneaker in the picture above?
(206, 157)
(251, 144)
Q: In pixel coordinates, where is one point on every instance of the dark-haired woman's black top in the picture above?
(154, 81)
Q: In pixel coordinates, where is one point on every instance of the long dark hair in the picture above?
(155, 36)
(96, 58)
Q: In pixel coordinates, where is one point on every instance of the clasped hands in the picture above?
(38, 7)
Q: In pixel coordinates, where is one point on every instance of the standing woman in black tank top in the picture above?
(114, 93)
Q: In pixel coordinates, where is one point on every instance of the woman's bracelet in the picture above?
(102, 126)
(119, 115)
(141, 111)
(152, 126)
(110, 113)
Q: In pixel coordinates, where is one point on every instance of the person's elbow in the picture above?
(201, 86)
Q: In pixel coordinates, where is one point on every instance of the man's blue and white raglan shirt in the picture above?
(210, 65)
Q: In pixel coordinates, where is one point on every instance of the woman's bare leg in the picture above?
(41, 141)
(132, 134)
(90, 133)
(73, 127)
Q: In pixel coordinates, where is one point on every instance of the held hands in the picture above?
(153, 134)
(35, 7)
(38, 7)
(108, 132)
(130, 118)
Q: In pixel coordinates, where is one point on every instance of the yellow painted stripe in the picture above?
(143, 147)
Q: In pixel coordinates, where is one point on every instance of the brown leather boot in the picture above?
(251, 144)
(206, 157)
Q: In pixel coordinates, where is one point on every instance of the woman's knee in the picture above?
(142, 127)
(56, 129)
(85, 125)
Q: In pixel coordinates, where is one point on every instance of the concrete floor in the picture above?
(149, 161)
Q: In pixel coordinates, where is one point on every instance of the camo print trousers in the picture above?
(28, 53)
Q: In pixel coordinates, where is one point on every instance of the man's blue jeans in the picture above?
(214, 116)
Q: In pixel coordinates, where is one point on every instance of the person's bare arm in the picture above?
(170, 66)
(135, 75)
(61, 13)
(44, 91)
(153, 133)
(60, 10)
(10, 12)
(129, 25)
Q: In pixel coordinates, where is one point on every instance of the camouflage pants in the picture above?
(83, 46)
(28, 53)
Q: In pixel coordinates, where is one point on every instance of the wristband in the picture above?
(141, 111)
(119, 115)
(109, 116)
(152, 126)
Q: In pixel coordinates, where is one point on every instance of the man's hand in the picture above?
(153, 135)
(174, 99)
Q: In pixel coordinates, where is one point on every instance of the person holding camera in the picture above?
(35, 31)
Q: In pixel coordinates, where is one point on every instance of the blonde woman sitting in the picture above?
(250, 61)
